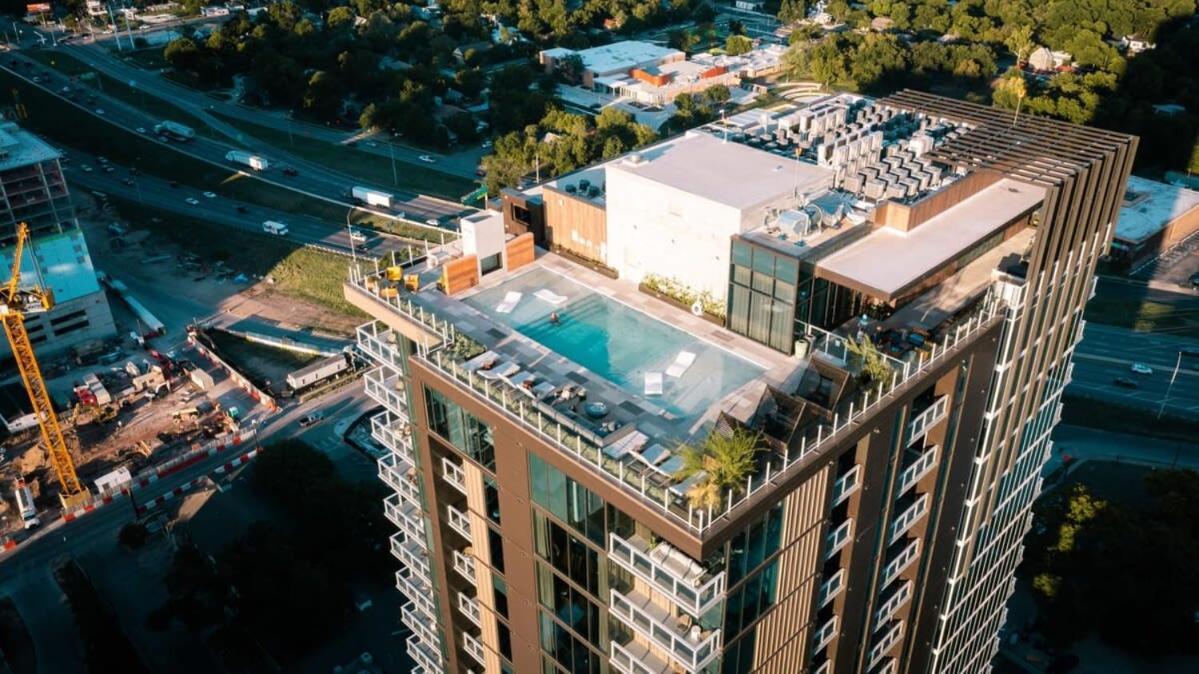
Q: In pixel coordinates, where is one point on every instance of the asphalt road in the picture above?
(1107, 353)
(312, 179)
(158, 193)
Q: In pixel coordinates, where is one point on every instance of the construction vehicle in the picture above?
(15, 303)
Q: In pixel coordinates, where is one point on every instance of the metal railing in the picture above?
(893, 603)
(458, 521)
(694, 597)
(411, 555)
(416, 591)
(473, 648)
(399, 475)
(901, 561)
(378, 343)
(465, 566)
(908, 517)
(847, 484)
(838, 537)
(626, 661)
(885, 642)
(425, 655)
(419, 624)
(921, 423)
(831, 587)
(407, 517)
(394, 434)
(384, 386)
(918, 469)
(825, 634)
(692, 651)
(453, 474)
(470, 608)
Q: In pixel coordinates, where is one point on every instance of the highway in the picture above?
(159, 194)
(1107, 353)
(311, 179)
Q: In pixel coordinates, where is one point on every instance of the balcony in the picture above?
(464, 564)
(838, 537)
(453, 474)
(474, 648)
(424, 654)
(893, 603)
(636, 658)
(393, 433)
(470, 608)
(831, 588)
(825, 634)
(685, 581)
(416, 591)
(908, 517)
(386, 387)
(379, 343)
(917, 469)
(891, 636)
(921, 423)
(458, 521)
(411, 554)
(901, 561)
(407, 517)
(686, 643)
(401, 477)
(847, 484)
(420, 624)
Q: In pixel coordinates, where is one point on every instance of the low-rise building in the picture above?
(616, 59)
(1153, 216)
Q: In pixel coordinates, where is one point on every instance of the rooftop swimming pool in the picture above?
(616, 341)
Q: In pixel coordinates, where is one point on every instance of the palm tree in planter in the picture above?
(725, 462)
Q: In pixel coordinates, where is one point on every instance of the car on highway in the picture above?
(193, 201)
(1141, 368)
(357, 236)
(86, 168)
(141, 129)
(371, 143)
(311, 419)
(289, 171)
(210, 195)
(242, 209)
(108, 169)
(128, 181)
(100, 111)
(487, 144)
(1124, 382)
(427, 159)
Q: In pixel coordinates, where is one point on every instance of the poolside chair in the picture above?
(549, 296)
(511, 299)
(630, 441)
(681, 363)
(544, 390)
(504, 369)
(653, 383)
(653, 455)
(483, 361)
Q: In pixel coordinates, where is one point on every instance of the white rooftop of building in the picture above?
(889, 260)
(609, 58)
(732, 174)
(1153, 205)
(20, 148)
(66, 267)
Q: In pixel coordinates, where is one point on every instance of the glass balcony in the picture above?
(687, 644)
(464, 564)
(410, 555)
(891, 635)
(416, 591)
(838, 537)
(909, 516)
(893, 603)
(825, 634)
(393, 433)
(400, 476)
(385, 387)
(636, 658)
(831, 588)
(378, 342)
(420, 624)
(847, 484)
(917, 469)
(424, 654)
(921, 423)
(474, 648)
(671, 572)
(407, 517)
(458, 521)
(901, 561)
(453, 474)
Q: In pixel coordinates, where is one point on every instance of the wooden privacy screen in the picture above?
(518, 252)
(460, 274)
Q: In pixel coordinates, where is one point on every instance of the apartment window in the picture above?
(762, 295)
(461, 428)
(66, 329)
(749, 549)
(491, 497)
(739, 657)
(569, 604)
(569, 555)
(749, 601)
(500, 595)
(567, 500)
(67, 318)
(569, 652)
(495, 546)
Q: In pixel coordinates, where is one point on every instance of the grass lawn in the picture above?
(298, 272)
(120, 90)
(370, 167)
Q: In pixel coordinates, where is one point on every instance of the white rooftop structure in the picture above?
(618, 56)
(1149, 206)
(19, 148)
(728, 173)
(889, 260)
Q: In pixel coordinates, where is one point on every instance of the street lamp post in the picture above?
(1177, 364)
(350, 233)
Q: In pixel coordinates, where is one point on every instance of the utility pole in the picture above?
(1177, 364)
(395, 177)
(115, 31)
(350, 233)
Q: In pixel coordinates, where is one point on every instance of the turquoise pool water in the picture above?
(617, 342)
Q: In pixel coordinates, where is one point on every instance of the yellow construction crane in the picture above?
(15, 303)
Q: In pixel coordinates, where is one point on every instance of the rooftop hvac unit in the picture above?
(584, 184)
(570, 189)
(853, 183)
(874, 189)
(593, 191)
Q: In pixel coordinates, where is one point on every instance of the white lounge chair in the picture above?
(504, 369)
(547, 295)
(510, 301)
(482, 361)
(653, 383)
(681, 364)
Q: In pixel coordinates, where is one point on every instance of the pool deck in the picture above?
(625, 408)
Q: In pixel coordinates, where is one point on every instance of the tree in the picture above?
(1010, 92)
(724, 463)
(340, 16)
(791, 11)
(875, 368)
(717, 94)
(1020, 43)
(736, 45)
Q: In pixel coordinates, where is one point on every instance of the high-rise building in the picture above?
(33, 190)
(880, 299)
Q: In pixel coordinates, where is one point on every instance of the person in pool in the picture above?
(554, 318)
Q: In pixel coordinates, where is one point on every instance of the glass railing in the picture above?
(394, 434)
(688, 646)
(386, 387)
(378, 342)
(474, 648)
(671, 572)
(416, 591)
(405, 516)
(425, 655)
(896, 566)
(453, 474)
(917, 469)
(636, 658)
(420, 624)
(458, 521)
(847, 484)
(921, 423)
(838, 537)
(888, 639)
(400, 476)
(470, 608)
(825, 634)
(464, 564)
(411, 555)
(893, 603)
(908, 517)
(830, 588)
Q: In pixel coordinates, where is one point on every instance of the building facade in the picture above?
(547, 518)
(33, 190)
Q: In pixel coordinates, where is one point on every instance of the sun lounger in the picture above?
(670, 466)
(550, 297)
(523, 379)
(510, 301)
(681, 363)
(544, 390)
(654, 454)
(504, 369)
(631, 441)
(482, 361)
(685, 486)
(653, 383)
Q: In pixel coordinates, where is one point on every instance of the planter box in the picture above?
(590, 264)
(714, 320)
